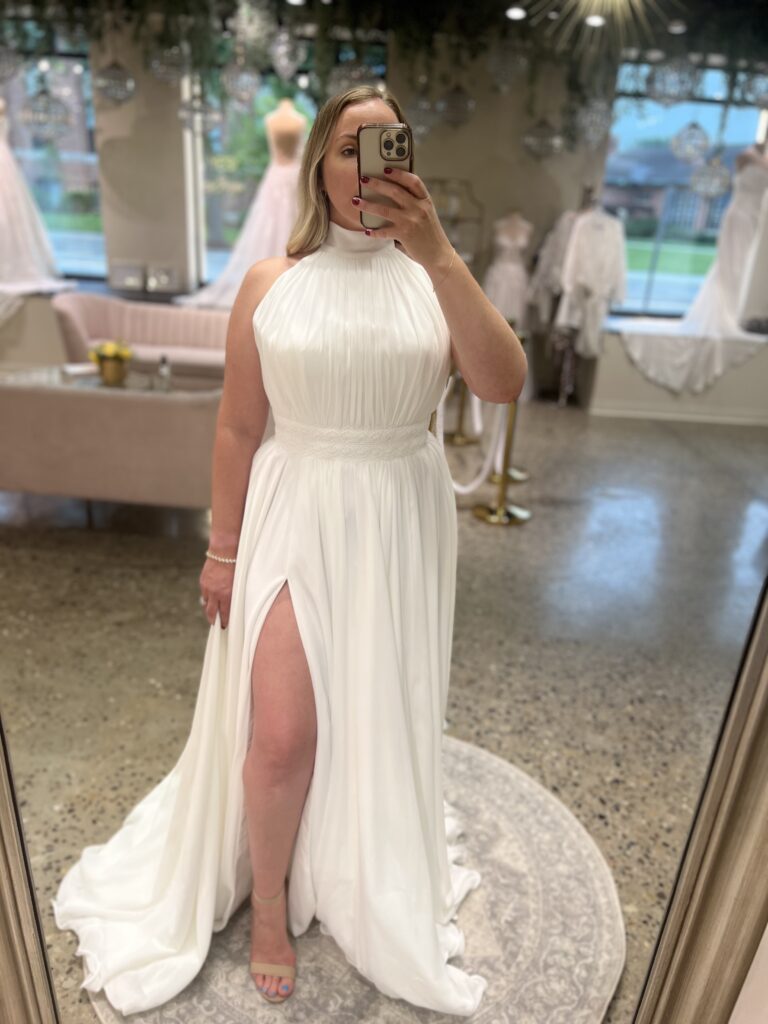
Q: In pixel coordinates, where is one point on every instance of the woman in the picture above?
(329, 586)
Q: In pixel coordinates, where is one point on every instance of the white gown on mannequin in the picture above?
(714, 311)
(753, 300)
(691, 353)
(351, 502)
(27, 263)
(265, 232)
(505, 281)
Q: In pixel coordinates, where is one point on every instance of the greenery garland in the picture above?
(738, 29)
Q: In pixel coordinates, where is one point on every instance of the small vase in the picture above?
(112, 371)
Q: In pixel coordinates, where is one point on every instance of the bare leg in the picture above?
(276, 774)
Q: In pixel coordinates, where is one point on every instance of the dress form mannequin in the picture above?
(506, 279)
(285, 128)
(272, 213)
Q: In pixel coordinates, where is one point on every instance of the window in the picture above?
(671, 230)
(62, 174)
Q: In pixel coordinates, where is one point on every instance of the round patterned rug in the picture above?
(544, 926)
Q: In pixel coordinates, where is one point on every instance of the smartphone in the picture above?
(381, 145)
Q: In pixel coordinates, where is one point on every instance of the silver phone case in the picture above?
(371, 161)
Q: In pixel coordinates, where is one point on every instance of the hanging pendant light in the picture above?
(168, 63)
(673, 81)
(593, 122)
(455, 106)
(46, 116)
(115, 83)
(543, 140)
(287, 53)
(755, 89)
(349, 74)
(690, 143)
(252, 24)
(198, 111)
(240, 79)
(712, 179)
(421, 115)
(507, 62)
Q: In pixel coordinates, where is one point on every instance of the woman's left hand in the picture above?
(415, 223)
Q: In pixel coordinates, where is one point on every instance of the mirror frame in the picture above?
(718, 909)
(26, 982)
(715, 918)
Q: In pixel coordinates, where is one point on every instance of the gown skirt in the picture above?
(27, 261)
(351, 504)
(265, 233)
(714, 310)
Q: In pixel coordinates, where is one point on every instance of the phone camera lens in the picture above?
(400, 137)
(400, 151)
(388, 144)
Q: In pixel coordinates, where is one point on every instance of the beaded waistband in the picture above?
(350, 442)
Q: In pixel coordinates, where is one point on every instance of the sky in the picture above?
(635, 122)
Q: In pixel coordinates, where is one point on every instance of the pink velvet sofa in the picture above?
(192, 339)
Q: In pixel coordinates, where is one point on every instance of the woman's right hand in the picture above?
(216, 581)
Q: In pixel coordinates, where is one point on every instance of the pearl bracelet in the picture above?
(219, 558)
(435, 287)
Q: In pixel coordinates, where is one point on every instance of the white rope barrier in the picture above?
(497, 433)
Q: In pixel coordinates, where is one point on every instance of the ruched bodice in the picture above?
(508, 249)
(365, 345)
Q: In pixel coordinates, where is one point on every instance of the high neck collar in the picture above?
(348, 240)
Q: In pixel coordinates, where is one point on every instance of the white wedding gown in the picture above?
(265, 233)
(505, 281)
(27, 263)
(351, 502)
(691, 353)
(714, 310)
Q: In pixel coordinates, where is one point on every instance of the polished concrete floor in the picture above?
(595, 646)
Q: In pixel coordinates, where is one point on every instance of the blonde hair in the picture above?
(311, 225)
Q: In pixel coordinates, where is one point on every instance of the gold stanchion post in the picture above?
(502, 514)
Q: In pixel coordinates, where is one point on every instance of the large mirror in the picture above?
(383, 616)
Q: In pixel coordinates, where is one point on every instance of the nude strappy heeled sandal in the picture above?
(276, 970)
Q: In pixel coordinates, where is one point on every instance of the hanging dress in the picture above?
(351, 502)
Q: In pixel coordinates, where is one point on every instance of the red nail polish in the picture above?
(387, 170)
(367, 231)
(364, 177)
(355, 200)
